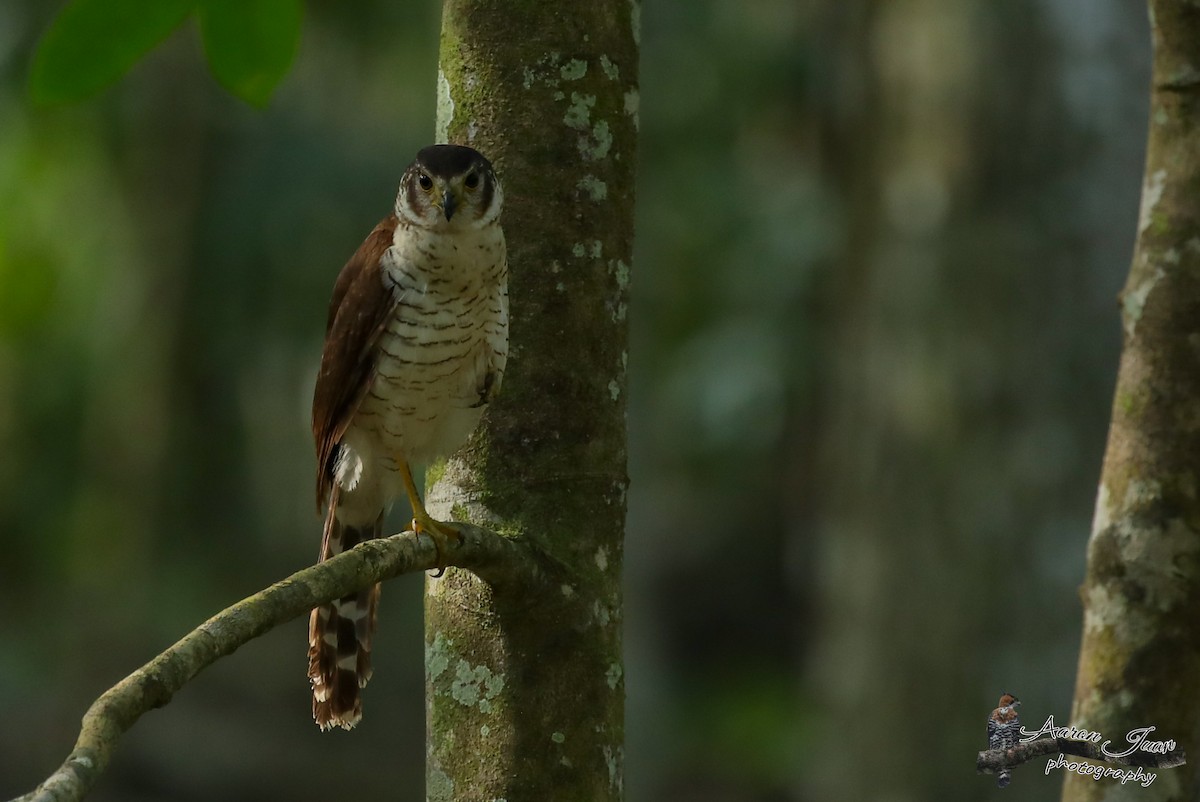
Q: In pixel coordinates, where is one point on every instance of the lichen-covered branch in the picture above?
(490, 556)
(992, 761)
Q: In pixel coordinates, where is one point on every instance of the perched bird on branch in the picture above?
(1004, 727)
(415, 347)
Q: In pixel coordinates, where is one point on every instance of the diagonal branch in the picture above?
(993, 760)
(496, 559)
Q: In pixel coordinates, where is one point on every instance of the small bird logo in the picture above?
(1003, 727)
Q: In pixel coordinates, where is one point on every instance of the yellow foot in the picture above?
(440, 533)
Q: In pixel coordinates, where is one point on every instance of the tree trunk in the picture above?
(1140, 658)
(965, 393)
(524, 681)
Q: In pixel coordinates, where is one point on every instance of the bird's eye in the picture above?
(471, 181)
(425, 181)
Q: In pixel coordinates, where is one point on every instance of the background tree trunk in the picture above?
(969, 361)
(1140, 658)
(525, 684)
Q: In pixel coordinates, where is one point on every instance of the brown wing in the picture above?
(358, 313)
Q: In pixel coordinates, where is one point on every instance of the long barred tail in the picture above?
(339, 634)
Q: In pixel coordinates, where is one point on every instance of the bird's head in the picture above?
(449, 186)
(1008, 700)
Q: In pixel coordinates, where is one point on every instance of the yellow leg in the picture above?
(438, 532)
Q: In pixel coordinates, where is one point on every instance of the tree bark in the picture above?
(524, 684)
(1139, 662)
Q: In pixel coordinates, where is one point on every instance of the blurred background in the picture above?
(875, 335)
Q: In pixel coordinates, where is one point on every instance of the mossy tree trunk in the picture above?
(1139, 664)
(524, 679)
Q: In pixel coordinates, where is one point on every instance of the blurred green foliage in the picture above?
(94, 42)
(250, 44)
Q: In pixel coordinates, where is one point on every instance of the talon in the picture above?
(440, 534)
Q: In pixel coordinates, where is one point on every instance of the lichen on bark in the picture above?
(525, 685)
(1140, 655)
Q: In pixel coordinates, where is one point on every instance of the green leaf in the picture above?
(250, 43)
(92, 43)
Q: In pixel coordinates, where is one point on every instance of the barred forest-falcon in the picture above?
(415, 347)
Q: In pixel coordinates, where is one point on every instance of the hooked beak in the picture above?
(449, 203)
